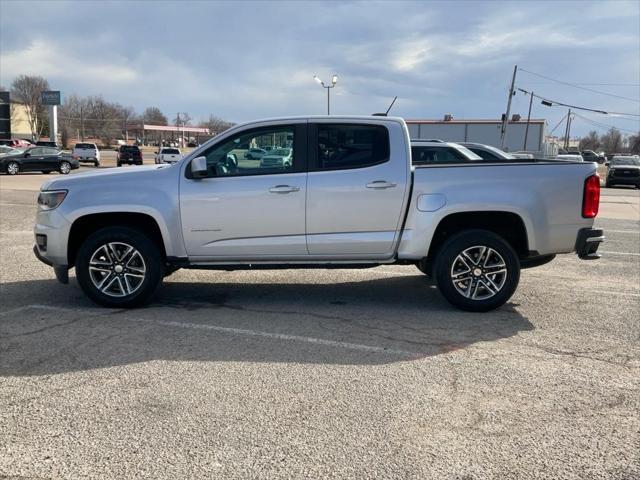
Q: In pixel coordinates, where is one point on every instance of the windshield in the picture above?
(467, 153)
(15, 151)
(498, 152)
(624, 161)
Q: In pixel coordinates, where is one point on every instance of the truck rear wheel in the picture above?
(477, 270)
(119, 267)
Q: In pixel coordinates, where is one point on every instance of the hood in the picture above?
(624, 167)
(102, 176)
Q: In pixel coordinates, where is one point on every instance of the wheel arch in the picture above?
(509, 225)
(85, 225)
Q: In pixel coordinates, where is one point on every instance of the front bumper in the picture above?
(61, 271)
(623, 180)
(587, 243)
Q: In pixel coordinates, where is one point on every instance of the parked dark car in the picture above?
(129, 154)
(37, 159)
(623, 170)
(44, 143)
(591, 156)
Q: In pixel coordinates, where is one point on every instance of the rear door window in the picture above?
(342, 146)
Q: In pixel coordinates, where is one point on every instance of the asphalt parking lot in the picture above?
(322, 374)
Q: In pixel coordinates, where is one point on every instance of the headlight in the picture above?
(51, 199)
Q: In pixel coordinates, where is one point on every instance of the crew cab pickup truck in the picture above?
(129, 154)
(350, 198)
(86, 152)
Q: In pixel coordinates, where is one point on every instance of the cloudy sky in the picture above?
(244, 60)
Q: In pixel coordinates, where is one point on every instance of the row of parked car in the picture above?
(17, 155)
(47, 157)
(621, 169)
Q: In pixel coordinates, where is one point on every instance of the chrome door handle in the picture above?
(284, 189)
(380, 184)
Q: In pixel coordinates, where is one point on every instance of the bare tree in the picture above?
(634, 143)
(27, 90)
(184, 117)
(590, 142)
(216, 125)
(612, 141)
(154, 116)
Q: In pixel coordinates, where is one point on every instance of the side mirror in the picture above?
(606, 164)
(199, 167)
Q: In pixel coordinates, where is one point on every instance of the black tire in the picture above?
(46, 172)
(96, 164)
(424, 267)
(150, 253)
(607, 184)
(13, 168)
(446, 261)
(118, 164)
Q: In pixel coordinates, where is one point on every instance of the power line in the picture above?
(548, 102)
(596, 84)
(575, 85)
(602, 125)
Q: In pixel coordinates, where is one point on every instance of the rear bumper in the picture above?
(587, 243)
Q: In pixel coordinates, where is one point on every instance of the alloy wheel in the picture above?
(479, 272)
(13, 168)
(117, 269)
(65, 168)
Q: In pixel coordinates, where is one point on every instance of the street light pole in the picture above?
(334, 80)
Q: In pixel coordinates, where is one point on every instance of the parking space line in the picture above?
(606, 230)
(41, 307)
(240, 331)
(620, 253)
(280, 336)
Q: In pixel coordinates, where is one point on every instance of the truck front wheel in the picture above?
(119, 267)
(477, 270)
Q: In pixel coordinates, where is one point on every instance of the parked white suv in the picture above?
(168, 155)
(86, 152)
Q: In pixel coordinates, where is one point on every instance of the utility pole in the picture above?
(178, 125)
(566, 131)
(526, 132)
(505, 123)
(82, 122)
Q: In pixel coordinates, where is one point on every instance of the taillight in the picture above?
(591, 197)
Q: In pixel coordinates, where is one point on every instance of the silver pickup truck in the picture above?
(349, 198)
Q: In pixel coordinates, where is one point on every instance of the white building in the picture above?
(484, 131)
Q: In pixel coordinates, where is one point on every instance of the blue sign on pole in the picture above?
(51, 97)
